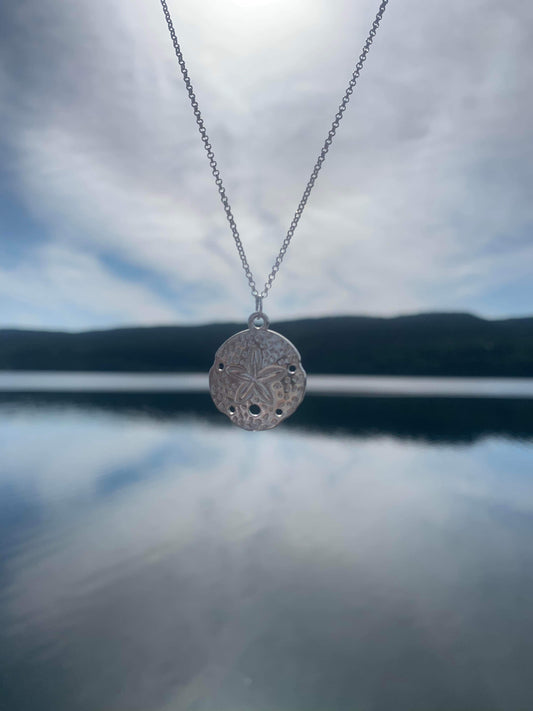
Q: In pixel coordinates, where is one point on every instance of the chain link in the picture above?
(316, 169)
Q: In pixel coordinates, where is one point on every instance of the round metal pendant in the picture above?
(257, 379)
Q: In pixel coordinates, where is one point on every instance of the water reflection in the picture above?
(431, 419)
(154, 559)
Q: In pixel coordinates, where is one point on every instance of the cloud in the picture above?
(423, 198)
(69, 287)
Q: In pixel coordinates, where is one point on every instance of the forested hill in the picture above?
(424, 344)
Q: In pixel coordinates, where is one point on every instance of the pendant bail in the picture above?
(259, 304)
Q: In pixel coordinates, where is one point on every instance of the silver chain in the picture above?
(314, 174)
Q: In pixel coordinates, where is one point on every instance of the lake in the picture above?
(374, 553)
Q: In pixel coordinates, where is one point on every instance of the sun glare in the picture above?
(252, 22)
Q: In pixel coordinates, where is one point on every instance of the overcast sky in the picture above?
(109, 214)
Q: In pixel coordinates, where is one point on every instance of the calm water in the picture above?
(373, 554)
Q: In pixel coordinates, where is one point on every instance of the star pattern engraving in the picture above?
(255, 378)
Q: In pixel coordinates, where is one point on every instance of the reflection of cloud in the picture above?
(424, 202)
(69, 452)
(235, 571)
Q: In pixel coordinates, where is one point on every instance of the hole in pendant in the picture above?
(258, 322)
(221, 366)
(279, 412)
(231, 409)
(292, 369)
(254, 410)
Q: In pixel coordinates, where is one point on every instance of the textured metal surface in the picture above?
(314, 173)
(257, 379)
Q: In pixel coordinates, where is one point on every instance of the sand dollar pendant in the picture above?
(257, 379)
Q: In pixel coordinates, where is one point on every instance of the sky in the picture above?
(109, 214)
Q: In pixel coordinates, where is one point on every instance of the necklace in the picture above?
(257, 378)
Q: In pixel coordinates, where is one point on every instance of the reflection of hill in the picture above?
(426, 344)
(438, 420)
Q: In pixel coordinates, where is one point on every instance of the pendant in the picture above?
(257, 379)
